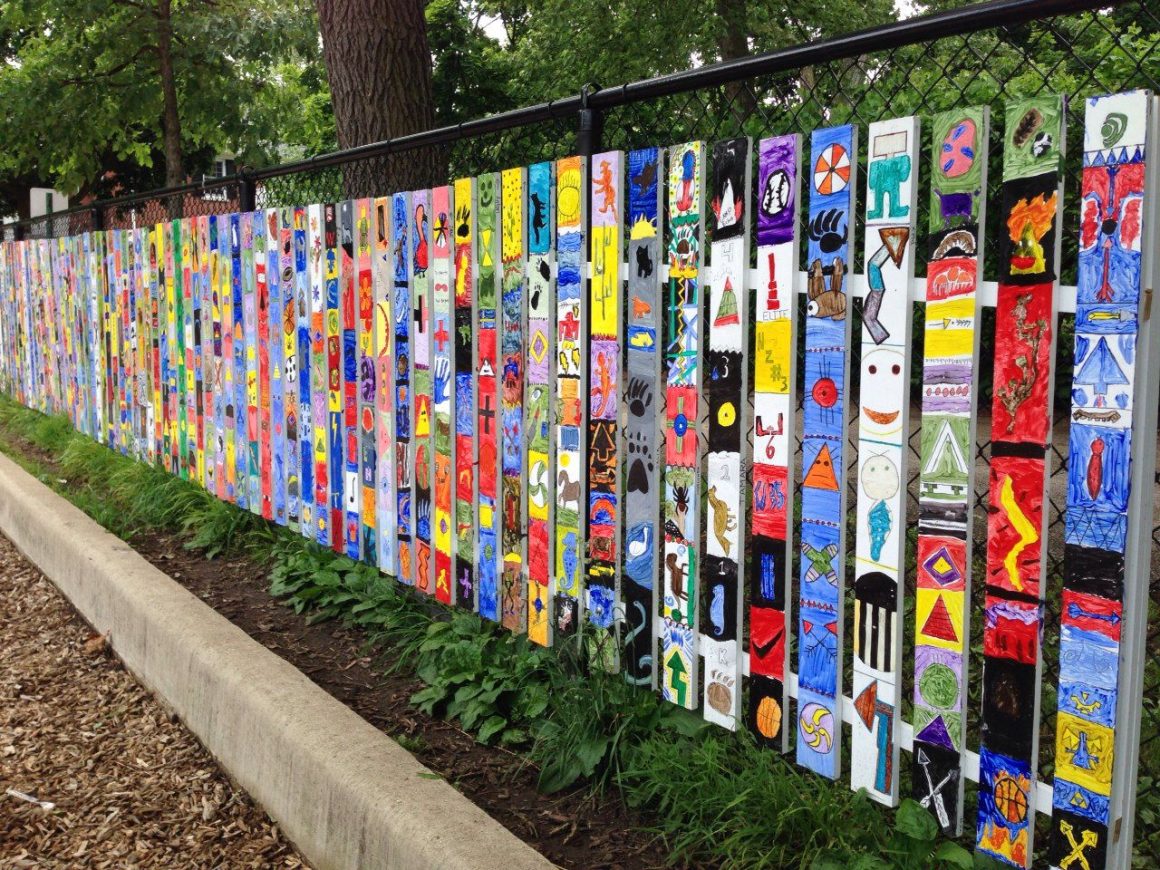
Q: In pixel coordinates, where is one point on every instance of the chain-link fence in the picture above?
(986, 54)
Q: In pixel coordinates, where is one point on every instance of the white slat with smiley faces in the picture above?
(882, 451)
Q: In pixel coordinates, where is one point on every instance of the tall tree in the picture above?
(114, 95)
(378, 61)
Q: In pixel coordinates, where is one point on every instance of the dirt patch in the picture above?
(570, 829)
(120, 783)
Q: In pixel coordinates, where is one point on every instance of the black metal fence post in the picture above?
(591, 123)
(247, 191)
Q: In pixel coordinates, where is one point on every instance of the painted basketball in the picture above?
(1010, 799)
(768, 717)
(958, 149)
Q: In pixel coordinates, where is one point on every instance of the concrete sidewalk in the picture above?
(347, 795)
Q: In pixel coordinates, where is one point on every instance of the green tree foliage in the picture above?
(82, 89)
(560, 45)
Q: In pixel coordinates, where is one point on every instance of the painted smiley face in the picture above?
(882, 379)
(879, 477)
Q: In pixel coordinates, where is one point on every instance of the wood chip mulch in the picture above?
(94, 772)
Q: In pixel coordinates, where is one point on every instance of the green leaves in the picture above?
(249, 80)
(914, 822)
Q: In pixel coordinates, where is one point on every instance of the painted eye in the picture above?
(873, 369)
(895, 369)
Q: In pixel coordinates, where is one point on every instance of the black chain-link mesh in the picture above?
(1099, 51)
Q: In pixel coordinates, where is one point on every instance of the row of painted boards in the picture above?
(364, 427)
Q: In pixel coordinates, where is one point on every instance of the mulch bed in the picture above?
(118, 780)
(570, 829)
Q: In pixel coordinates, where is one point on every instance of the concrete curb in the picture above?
(347, 795)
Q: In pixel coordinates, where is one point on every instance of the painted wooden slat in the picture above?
(38, 339)
(348, 311)
(727, 399)
(513, 303)
(228, 229)
(639, 562)
(487, 442)
(883, 432)
(78, 302)
(422, 441)
(48, 339)
(168, 350)
(604, 391)
(570, 405)
(276, 349)
(218, 232)
(442, 410)
(44, 334)
(208, 362)
(253, 369)
(1109, 308)
(37, 323)
(833, 182)
(538, 428)
(465, 407)
(774, 406)
(61, 336)
(190, 310)
(178, 351)
(211, 355)
(386, 520)
(128, 345)
(368, 444)
(334, 368)
(266, 272)
(1029, 243)
(156, 328)
(140, 336)
(946, 466)
(80, 336)
(319, 373)
(76, 401)
(262, 290)
(300, 326)
(195, 269)
(682, 493)
(237, 396)
(404, 407)
(287, 324)
(196, 371)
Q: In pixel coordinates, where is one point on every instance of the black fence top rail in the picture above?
(592, 100)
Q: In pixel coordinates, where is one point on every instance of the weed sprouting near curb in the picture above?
(715, 798)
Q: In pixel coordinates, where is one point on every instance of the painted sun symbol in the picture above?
(825, 392)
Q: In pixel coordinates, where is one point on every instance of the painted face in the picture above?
(883, 384)
(879, 477)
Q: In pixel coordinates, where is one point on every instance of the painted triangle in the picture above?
(936, 734)
(938, 623)
(821, 473)
(895, 238)
(865, 702)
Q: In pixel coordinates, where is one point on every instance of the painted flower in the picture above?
(601, 605)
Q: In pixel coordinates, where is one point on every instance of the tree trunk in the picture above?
(170, 120)
(378, 62)
(733, 42)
